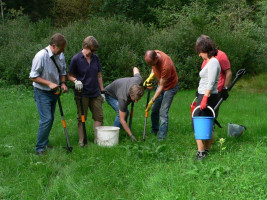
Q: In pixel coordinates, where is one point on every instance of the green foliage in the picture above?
(66, 11)
(174, 28)
(35, 9)
(120, 46)
(19, 40)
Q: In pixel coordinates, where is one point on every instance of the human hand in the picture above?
(204, 102)
(53, 86)
(149, 105)
(133, 138)
(64, 88)
(78, 85)
(224, 93)
(148, 81)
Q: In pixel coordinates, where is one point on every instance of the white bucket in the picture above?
(107, 135)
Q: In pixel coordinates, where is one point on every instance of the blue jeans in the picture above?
(160, 110)
(115, 105)
(46, 105)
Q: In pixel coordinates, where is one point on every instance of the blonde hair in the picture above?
(136, 91)
(89, 43)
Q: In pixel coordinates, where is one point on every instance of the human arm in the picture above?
(125, 125)
(204, 101)
(100, 81)
(228, 77)
(42, 81)
(157, 94)
(135, 71)
(225, 90)
(78, 84)
(64, 87)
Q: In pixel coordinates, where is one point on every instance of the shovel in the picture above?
(68, 147)
(146, 112)
(83, 121)
(238, 75)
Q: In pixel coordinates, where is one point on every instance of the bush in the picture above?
(20, 40)
(122, 43)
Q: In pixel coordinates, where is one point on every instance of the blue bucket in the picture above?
(203, 125)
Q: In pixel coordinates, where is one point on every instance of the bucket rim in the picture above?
(108, 128)
(206, 117)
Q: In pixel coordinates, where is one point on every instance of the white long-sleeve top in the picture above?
(209, 77)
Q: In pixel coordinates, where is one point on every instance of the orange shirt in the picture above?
(165, 69)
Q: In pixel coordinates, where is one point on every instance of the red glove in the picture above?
(204, 101)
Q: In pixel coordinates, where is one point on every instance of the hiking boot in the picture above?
(201, 155)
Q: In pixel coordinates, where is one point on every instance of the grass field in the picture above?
(143, 170)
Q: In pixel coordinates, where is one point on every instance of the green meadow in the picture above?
(235, 169)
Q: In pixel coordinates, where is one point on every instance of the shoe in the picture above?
(81, 144)
(40, 153)
(201, 155)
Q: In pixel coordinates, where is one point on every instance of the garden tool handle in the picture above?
(194, 100)
(198, 107)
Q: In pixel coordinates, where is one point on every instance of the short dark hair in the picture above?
(206, 45)
(58, 40)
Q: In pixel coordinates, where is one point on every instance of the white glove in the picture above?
(78, 85)
(103, 97)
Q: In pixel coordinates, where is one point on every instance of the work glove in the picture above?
(149, 105)
(224, 93)
(103, 96)
(78, 85)
(149, 80)
(133, 138)
(204, 102)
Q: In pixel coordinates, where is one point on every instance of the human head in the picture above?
(151, 57)
(58, 43)
(90, 43)
(205, 45)
(136, 92)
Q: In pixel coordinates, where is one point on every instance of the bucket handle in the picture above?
(198, 107)
(194, 100)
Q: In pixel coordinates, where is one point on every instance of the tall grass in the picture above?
(143, 170)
